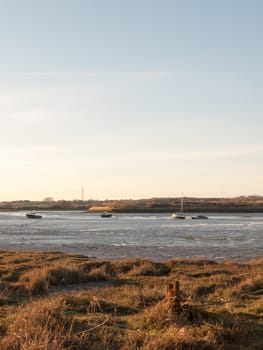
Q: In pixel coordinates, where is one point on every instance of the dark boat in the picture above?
(199, 217)
(106, 215)
(33, 216)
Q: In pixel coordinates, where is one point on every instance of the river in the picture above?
(237, 237)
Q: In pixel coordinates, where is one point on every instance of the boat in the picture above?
(197, 217)
(33, 216)
(106, 215)
(180, 215)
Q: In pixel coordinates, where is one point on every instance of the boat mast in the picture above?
(182, 204)
(82, 193)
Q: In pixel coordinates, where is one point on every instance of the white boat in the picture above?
(180, 215)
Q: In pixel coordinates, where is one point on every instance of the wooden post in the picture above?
(176, 287)
(170, 298)
(173, 296)
(177, 304)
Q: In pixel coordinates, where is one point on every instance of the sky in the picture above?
(130, 99)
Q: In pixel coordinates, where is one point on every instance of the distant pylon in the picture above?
(82, 194)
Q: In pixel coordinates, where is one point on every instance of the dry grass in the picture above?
(37, 281)
(223, 304)
(39, 325)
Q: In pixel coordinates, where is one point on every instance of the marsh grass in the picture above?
(222, 304)
(37, 281)
(39, 325)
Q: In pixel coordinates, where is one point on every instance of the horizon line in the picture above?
(130, 199)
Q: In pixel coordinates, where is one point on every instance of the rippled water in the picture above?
(236, 237)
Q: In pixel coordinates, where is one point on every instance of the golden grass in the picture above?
(37, 281)
(39, 325)
(222, 304)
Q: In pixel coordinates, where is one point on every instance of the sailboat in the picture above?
(180, 215)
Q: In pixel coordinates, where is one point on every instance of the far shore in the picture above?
(241, 204)
(219, 210)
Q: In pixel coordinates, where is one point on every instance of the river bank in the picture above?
(123, 305)
(242, 204)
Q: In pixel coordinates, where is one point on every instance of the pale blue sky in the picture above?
(130, 99)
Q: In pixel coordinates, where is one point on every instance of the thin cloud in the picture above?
(99, 75)
(191, 154)
(78, 152)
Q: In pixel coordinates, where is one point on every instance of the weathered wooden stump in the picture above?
(173, 296)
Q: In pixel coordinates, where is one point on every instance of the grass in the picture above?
(222, 304)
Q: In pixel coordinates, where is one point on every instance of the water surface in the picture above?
(237, 237)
